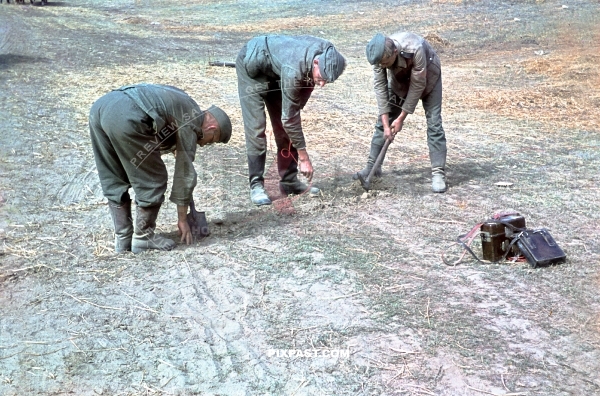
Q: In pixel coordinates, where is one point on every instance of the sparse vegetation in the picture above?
(347, 270)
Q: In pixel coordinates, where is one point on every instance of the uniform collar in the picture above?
(400, 62)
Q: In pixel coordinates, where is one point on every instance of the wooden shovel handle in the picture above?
(379, 160)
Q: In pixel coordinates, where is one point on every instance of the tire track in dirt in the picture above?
(278, 281)
(79, 186)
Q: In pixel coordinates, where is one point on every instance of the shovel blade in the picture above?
(197, 222)
(365, 183)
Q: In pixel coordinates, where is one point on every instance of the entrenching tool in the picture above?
(197, 222)
(366, 183)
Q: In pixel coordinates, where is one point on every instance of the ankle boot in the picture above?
(258, 195)
(144, 237)
(121, 217)
(364, 173)
(297, 187)
(288, 171)
(256, 170)
(438, 171)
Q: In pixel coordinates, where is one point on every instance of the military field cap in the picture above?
(331, 64)
(224, 123)
(375, 49)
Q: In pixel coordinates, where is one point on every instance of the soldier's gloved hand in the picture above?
(185, 232)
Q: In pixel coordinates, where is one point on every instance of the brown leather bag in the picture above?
(497, 234)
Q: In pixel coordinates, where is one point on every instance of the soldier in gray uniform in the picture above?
(130, 128)
(406, 69)
(279, 73)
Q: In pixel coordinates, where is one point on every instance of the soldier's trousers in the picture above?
(256, 94)
(432, 104)
(126, 151)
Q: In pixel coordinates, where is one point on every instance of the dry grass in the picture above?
(344, 270)
(557, 87)
(350, 21)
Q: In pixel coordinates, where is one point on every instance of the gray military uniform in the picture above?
(130, 127)
(276, 72)
(415, 75)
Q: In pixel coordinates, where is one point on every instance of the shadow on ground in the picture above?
(9, 60)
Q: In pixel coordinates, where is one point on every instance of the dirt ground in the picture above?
(344, 294)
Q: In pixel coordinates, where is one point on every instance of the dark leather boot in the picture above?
(287, 165)
(121, 217)
(364, 173)
(438, 171)
(144, 237)
(256, 170)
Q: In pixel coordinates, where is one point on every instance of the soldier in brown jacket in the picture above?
(406, 69)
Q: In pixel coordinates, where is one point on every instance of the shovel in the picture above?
(366, 183)
(197, 222)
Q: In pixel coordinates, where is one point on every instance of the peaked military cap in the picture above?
(375, 49)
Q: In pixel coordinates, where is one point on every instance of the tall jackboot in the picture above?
(121, 217)
(288, 172)
(438, 171)
(375, 150)
(144, 237)
(256, 170)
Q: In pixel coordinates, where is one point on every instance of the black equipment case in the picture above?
(540, 248)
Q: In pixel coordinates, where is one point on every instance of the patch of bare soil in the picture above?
(345, 294)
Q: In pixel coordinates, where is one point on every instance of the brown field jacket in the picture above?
(413, 75)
